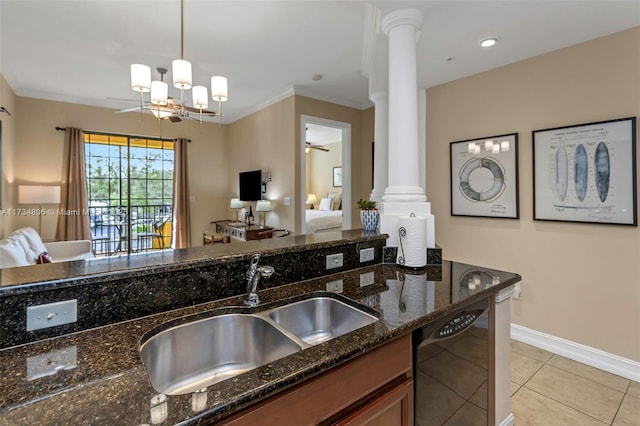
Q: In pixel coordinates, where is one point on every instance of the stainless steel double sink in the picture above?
(189, 356)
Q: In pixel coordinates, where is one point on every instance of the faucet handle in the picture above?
(254, 260)
(266, 271)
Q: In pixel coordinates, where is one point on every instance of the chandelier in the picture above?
(160, 104)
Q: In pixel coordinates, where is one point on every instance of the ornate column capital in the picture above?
(401, 17)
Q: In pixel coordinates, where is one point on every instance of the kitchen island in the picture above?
(100, 377)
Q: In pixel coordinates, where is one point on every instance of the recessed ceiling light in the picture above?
(488, 42)
(317, 77)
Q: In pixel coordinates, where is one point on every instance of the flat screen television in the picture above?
(251, 185)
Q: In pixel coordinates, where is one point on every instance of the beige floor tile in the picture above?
(530, 351)
(523, 367)
(629, 412)
(588, 372)
(468, 415)
(634, 389)
(591, 398)
(532, 409)
(514, 387)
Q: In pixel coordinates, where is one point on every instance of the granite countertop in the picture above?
(109, 384)
(23, 279)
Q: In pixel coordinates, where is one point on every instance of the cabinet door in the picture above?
(393, 408)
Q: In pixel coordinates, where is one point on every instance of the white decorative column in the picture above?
(404, 179)
(381, 146)
(405, 194)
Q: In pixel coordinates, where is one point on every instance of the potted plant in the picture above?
(369, 214)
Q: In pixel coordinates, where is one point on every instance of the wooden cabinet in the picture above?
(374, 389)
(245, 233)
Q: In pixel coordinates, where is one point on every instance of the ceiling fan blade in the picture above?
(320, 148)
(197, 110)
(129, 109)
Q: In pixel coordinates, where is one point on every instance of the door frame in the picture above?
(346, 168)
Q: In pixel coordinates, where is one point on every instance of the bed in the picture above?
(323, 220)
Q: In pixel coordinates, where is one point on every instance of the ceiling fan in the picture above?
(172, 111)
(308, 146)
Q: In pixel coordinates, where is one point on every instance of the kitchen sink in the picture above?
(192, 355)
(320, 319)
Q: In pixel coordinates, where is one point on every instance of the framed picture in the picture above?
(484, 177)
(586, 173)
(337, 176)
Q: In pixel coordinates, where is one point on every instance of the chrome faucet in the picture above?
(254, 274)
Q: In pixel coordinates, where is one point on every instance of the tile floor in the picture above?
(547, 389)
(550, 390)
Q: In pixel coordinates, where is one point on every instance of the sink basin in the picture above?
(192, 355)
(188, 357)
(321, 318)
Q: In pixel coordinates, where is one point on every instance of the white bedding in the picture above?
(322, 220)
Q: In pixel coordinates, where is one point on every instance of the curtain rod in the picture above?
(123, 134)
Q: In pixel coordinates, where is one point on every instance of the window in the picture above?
(130, 192)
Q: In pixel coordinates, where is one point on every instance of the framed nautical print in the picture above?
(586, 173)
(484, 177)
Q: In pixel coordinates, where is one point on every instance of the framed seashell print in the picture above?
(586, 173)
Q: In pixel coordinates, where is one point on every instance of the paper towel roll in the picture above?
(412, 249)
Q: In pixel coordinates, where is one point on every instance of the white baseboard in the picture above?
(585, 354)
(508, 421)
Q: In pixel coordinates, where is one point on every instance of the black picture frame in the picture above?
(484, 177)
(586, 173)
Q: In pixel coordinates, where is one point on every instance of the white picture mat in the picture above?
(476, 190)
(559, 195)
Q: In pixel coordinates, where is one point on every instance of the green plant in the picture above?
(366, 204)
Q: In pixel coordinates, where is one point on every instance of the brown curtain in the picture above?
(73, 193)
(181, 212)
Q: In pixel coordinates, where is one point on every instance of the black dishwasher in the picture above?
(451, 358)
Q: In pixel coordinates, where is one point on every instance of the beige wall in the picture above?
(361, 136)
(265, 140)
(38, 154)
(320, 166)
(580, 282)
(7, 154)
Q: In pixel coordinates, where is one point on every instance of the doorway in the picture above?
(325, 172)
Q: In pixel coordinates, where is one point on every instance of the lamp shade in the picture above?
(200, 97)
(263, 206)
(312, 199)
(219, 90)
(38, 194)
(181, 71)
(236, 203)
(140, 77)
(159, 92)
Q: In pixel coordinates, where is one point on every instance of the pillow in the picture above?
(325, 204)
(336, 197)
(12, 254)
(44, 257)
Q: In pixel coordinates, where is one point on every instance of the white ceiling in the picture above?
(80, 51)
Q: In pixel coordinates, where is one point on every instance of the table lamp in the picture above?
(312, 199)
(263, 206)
(237, 204)
(39, 194)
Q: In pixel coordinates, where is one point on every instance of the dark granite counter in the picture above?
(56, 275)
(108, 383)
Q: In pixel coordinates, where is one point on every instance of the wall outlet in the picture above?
(335, 286)
(367, 255)
(52, 362)
(366, 279)
(335, 261)
(52, 314)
